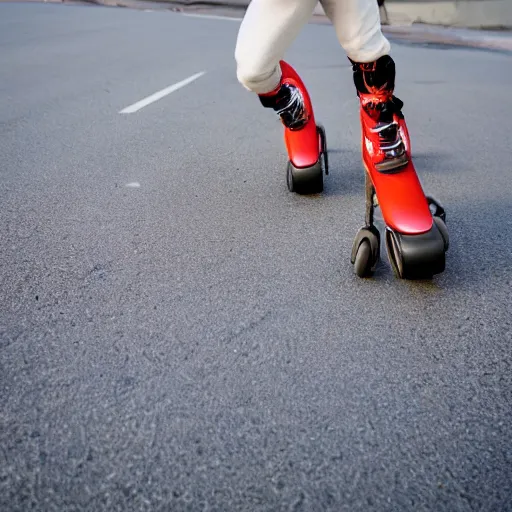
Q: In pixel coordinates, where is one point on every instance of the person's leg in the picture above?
(358, 27)
(267, 30)
(269, 27)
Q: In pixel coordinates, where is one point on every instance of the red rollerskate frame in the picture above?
(303, 146)
(401, 199)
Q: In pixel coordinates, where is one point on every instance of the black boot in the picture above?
(375, 85)
(288, 102)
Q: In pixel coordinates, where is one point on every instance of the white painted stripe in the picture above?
(160, 94)
(211, 17)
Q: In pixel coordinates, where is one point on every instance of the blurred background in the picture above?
(492, 14)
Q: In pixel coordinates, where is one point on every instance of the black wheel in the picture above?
(365, 251)
(416, 256)
(394, 254)
(289, 177)
(436, 209)
(323, 145)
(307, 180)
(444, 231)
(439, 215)
(362, 264)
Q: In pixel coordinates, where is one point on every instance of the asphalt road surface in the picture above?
(179, 332)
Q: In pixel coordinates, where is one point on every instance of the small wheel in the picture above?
(289, 177)
(363, 262)
(394, 253)
(439, 215)
(365, 251)
(323, 147)
(307, 180)
(418, 256)
(436, 209)
(444, 231)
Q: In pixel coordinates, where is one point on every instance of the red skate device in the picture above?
(304, 140)
(415, 231)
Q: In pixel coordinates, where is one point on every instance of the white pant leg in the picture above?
(358, 28)
(267, 30)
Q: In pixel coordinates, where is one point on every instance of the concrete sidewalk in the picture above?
(485, 39)
(482, 14)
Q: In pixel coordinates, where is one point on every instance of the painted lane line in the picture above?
(160, 94)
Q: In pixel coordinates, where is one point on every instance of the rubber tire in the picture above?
(363, 261)
(394, 255)
(323, 142)
(306, 181)
(403, 269)
(289, 178)
(439, 211)
(441, 225)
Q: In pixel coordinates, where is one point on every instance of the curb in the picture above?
(471, 38)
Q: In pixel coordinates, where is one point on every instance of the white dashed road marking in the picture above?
(160, 94)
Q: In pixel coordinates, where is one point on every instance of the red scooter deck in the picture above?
(303, 146)
(401, 199)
